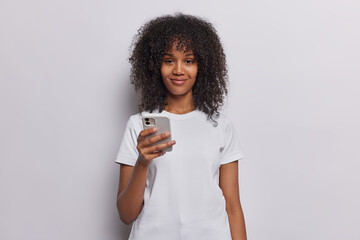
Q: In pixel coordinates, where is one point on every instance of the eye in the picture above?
(189, 61)
(168, 61)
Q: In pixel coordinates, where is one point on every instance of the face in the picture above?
(178, 71)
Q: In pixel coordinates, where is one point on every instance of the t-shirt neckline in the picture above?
(181, 116)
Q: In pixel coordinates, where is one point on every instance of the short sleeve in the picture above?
(230, 149)
(128, 152)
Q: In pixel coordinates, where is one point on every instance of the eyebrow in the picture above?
(169, 54)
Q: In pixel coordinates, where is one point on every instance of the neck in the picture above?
(179, 104)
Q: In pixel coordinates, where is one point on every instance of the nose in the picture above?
(178, 68)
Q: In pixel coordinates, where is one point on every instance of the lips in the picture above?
(178, 81)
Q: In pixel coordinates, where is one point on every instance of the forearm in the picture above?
(237, 224)
(130, 200)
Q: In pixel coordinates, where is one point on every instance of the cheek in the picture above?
(162, 69)
(163, 72)
(194, 72)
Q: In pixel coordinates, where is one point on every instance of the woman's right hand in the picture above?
(146, 152)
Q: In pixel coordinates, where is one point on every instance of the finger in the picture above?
(160, 146)
(146, 132)
(156, 138)
(155, 155)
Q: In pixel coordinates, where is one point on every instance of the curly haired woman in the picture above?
(192, 192)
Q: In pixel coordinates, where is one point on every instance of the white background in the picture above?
(65, 97)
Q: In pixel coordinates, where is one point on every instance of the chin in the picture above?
(178, 93)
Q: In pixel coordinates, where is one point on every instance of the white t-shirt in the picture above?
(182, 198)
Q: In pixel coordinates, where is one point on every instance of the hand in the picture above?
(146, 152)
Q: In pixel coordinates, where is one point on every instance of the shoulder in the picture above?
(135, 117)
(134, 121)
(223, 121)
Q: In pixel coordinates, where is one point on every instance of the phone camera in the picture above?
(147, 123)
(147, 120)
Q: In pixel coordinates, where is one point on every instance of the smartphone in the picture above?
(163, 125)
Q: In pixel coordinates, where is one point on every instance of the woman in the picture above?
(192, 192)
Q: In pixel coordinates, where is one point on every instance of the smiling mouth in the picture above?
(178, 81)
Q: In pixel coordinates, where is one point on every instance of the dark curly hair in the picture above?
(188, 33)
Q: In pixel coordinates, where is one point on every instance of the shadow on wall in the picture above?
(129, 101)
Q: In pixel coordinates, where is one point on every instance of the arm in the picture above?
(229, 183)
(132, 180)
(131, 191)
